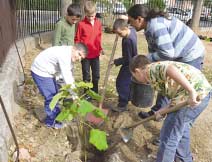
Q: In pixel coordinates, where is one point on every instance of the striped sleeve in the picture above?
(161, 38)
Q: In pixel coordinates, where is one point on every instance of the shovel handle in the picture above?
(108, 71)
(166, 111)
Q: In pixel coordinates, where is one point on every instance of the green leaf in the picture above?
(85, 107)
(84, 85)
(98, 139)
(55, 99)
(94, 95)
(207, 39)
(65, 87)
(99, 113)
(64, 115)
(74, 109)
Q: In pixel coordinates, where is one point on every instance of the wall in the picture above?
(10, 77)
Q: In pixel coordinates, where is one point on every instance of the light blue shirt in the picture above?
(171, 39)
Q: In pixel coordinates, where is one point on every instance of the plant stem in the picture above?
(82, 122)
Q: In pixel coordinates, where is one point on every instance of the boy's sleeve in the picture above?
(127, 52)
(100, 30)
(77, 33)
(57, 35)
(66, 71)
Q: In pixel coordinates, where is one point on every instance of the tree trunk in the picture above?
(64, 6)
(196, 15)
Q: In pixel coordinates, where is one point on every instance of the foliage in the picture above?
(159, 4)
(208, 3)
(49, 5)
(74, 106)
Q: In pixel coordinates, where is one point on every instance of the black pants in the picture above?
(123, 86)
(94, 65)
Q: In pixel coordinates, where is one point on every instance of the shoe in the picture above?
(55, 125)
(119, 109)
(88, 98)
(156, 141)
(144, 115)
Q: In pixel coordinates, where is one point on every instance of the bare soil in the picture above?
(49, 145)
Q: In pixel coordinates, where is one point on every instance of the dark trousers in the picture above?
(162, 101)
(123, 86)
(92, 64)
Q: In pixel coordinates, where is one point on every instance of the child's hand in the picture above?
(158, 116)
(102, 52)
(193, 99)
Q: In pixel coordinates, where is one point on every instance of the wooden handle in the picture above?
(166, 111)
(108, 71)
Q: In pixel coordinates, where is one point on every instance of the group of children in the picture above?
(172, 67)
(87, 34)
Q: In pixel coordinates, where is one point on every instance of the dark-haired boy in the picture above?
(129, 50)
(52, 61)
(65, 27)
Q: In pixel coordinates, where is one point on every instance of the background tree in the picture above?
(159, 4)
(196, 14)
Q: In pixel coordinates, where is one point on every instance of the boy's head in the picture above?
(79, 52)
(73, 13)
(137, 67)
(90, 10)
(120, 27)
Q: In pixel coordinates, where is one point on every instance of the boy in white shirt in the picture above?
(50, 62)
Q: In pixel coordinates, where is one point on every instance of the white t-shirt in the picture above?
(53, 61)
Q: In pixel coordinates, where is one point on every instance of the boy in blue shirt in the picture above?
(129, 50)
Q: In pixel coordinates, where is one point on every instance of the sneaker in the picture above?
(88, 98)
(119, 109)
(55, 125)
(144, 115)
(156, 141)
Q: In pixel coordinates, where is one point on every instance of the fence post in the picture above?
(64, 6)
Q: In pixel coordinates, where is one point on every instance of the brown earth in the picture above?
(48, 145)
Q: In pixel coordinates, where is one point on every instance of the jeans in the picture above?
(162, 101)
(175, 133)
(123, 85)
(95, 68)
(48, 88)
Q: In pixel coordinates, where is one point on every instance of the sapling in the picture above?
(74, 106)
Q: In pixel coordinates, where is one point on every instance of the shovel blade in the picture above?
(126, 134)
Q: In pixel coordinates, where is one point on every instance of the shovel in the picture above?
(126, 132)
(90, 117)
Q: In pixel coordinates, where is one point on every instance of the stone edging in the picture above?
(11, 76)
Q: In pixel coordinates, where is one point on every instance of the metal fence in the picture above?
(35, 16)
(182, 9)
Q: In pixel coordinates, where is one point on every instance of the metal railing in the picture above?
(35, 16)
(181, 9)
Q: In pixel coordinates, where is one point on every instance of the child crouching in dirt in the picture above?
(179, 82)
(52, 61)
